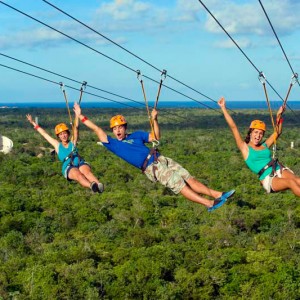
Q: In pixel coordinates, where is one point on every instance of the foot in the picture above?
(227, 194)
(94, 187)
(100, 187)
(221, 200)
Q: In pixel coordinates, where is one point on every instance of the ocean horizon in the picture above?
(162, 104)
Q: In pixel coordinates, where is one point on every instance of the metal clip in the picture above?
(274, 150)
(139, 75)
(163, 74)
(262, 77)
(155, 143)
(83, 86)
(62, 86)
(294, 78)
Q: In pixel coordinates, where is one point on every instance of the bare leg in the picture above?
(288, 181)
(199, 187)
(76, 175)
(191, 195)
(86, 171)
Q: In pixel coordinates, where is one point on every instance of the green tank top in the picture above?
(257, 159)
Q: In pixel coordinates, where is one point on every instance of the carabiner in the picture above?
(62, 86)
(139, 75)
(274, 151)
(83, 86)
(155, 143)
(262, 77)
(294, 78)
(163, 75)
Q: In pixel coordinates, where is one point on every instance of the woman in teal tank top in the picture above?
(257, 154)
(73, 167)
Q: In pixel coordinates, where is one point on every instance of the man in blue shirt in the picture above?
(132, 149)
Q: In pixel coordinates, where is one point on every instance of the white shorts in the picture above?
(267, 182)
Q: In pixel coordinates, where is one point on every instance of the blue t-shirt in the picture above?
(132, 148)
(63, 152)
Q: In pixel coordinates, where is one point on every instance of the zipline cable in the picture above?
(83, 84)
(92, 94)
(66, 77)
(278, 39)
(211, 14)
(58, 83)
(108, 57)
(128, 51)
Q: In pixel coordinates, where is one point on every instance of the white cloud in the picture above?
(242, 42)
(238, 17)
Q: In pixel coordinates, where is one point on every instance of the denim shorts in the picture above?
(70, 167)
(169, 173)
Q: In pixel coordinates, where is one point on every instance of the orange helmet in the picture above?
(60, 128)
(117, 120)
(257, 124)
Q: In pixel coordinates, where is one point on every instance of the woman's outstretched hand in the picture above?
(77, 109)
(221, 102)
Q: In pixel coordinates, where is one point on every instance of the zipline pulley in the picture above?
(83, 87)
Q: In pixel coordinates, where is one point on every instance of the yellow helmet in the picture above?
(257, 124)
(117, 120)
(60, 128)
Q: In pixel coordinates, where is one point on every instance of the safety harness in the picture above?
(74, 153)
(154, 150)
(274, 161)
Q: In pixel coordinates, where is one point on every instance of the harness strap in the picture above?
(272, 163)
(71, 156)
(153, 151)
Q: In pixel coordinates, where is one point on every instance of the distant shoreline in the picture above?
(162, 104)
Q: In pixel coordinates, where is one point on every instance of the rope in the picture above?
(140, 79)
(163, 77)
(62, 86)
(262, 79)
(83, 86)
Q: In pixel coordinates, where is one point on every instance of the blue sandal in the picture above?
(221, 200)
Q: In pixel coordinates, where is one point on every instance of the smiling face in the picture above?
(64, 136)
(256, 136)
(119, 131)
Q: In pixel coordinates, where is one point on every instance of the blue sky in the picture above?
(178, 36)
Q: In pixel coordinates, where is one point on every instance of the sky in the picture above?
(177, 36)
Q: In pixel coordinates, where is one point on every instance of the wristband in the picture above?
(280, 121)
(84, 119)
(36, 127)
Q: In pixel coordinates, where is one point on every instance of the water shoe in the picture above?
(221, 200)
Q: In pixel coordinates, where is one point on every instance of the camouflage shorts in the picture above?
(169, 173)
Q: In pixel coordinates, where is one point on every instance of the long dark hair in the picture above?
(247, 138)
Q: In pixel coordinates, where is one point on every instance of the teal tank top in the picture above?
(257, 159)
(63, 152)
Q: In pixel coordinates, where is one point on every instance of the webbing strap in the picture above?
(83, 86)
(294, 79)
(62, 86)
(163, 77)
(140, 78)
(262, 79)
